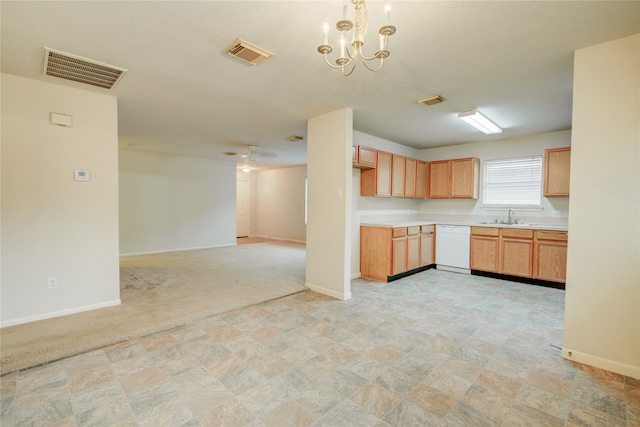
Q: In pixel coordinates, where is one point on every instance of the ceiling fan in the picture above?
(252, 153)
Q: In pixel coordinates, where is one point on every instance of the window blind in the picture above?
(513, 182)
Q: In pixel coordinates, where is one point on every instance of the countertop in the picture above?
(418, 222)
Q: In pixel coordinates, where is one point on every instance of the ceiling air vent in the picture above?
(432, 100)
(78, 69)
(247, 52)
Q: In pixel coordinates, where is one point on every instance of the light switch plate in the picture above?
(60, 120)
(80, 175)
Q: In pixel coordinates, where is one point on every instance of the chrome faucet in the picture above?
(510, 214)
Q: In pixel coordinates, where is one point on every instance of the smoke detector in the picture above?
(78, 69)
(432, 100)
(248, 52)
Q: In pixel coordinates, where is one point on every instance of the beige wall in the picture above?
(170, 203)
(602, 311)
(329, 225)
(53, 226)
(279, 203)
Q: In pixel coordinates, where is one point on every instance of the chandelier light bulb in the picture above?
(353, 52)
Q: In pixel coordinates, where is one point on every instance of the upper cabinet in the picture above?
(439, 179)
(364, 157)
(398, 175)
(377, 181)
(556, 172)
(454, 179)
(421, 179)
(392, 175)
(410, 170)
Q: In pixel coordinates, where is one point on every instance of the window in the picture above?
(512, 182)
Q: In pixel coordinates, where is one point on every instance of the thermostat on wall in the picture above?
(80, 175)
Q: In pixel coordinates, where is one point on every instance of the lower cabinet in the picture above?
(399, 250)
(413, 248)
(387, 252)
(485, 249)
(537, 254)
(550, 256)
(516, 252)
(427, 245)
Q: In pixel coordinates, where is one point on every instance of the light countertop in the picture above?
(418, 222)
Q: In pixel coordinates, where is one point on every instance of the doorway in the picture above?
(243, 202)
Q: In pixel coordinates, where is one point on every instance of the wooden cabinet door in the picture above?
(439, 179)
(410, 170)
(367, 156)
(398, 255)
(484, 253)
(516, 257)
(397, 176)
(383, 174)
(464, 178)
(421, 179)
(557, 168)
(551, 261)
(426, 249)
(413, 251)
(377, 182)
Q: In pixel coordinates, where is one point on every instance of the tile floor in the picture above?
(433, 349)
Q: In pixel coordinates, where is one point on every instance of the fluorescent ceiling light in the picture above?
(480, 122)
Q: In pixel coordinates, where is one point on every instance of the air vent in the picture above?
(72, 67)
(248, 52)
(432, 100)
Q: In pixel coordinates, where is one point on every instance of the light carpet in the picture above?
(159, 292)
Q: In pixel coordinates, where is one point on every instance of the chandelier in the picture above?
(355, 53)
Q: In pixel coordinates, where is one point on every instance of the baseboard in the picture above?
(329, 292)
(599, 362)
(528, 280)
(410, 272)
(355, 275)
(278, 238)
(59, 313)
(165, 251)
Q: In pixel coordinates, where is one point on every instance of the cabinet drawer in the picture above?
(551, 235)
(399, 232)
(485, 231)
(428, 228)
(519, 234)
(413, 230)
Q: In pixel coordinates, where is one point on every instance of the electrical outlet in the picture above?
(453, 212)
(556, 214)
(52, 283)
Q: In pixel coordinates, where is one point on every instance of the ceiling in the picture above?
(512, 60)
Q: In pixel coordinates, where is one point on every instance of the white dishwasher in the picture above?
(452, 248)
